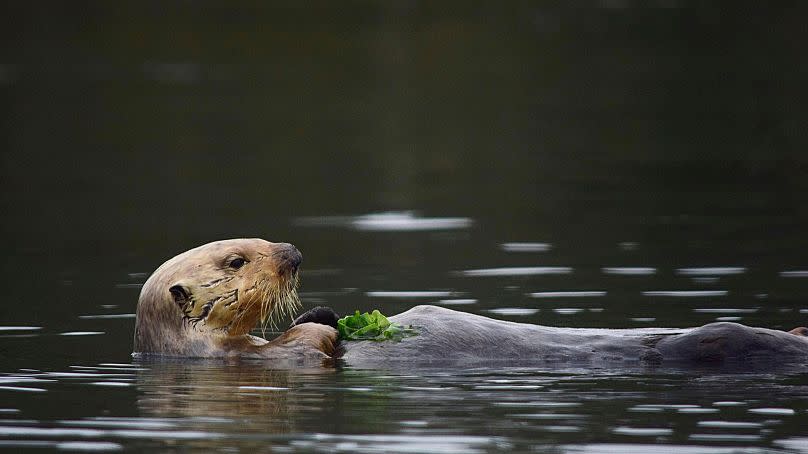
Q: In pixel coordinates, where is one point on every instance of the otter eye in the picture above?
(237, 263)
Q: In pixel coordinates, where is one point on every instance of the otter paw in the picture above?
(322, 315)
(311, 337)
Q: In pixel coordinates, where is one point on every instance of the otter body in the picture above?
(203, 303)
(450, 336)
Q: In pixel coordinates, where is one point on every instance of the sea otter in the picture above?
(204, 302)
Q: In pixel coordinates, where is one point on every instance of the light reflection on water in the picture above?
(388, 222)
(517, 271)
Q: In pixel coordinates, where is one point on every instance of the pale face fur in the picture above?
(200, 299)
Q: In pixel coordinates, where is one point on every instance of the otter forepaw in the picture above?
(311, 336)
(322, 315)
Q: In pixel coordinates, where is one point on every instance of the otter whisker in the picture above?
(280, 299)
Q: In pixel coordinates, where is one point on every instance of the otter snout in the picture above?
(288, 257)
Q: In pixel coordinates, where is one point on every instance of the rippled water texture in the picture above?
(610, 164)
(247, 406)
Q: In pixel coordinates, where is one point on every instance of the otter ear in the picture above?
(179, 294)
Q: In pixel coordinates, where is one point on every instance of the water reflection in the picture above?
(202, 389)
(247, 405)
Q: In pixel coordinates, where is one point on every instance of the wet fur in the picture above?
(448, 336)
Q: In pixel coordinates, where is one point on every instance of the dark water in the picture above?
(595, 164)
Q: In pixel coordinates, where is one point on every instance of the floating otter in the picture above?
(204, 302)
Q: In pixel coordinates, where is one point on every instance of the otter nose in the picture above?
(288, 256)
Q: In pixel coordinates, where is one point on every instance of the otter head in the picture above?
(221, 289)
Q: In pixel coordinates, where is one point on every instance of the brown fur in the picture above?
(204, 302)
(801, 331)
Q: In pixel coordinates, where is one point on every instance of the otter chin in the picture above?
(204, 302)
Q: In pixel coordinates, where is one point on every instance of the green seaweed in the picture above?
(373, 326)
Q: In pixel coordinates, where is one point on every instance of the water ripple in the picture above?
(526, 247)
(516, 271)
(727, 310)
(573, 294)
(711, 271)
(512, 311)
(730, 424)
(686, 293)
(568, 310)
(105, 316)
(22, 389)
(396, 221)
(411, 294)
(724, 437)
(772, 411)
(799, 273)
(629, 271)
(458, 302)
(642, 431)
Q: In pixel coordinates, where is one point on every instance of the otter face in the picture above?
(226, 286)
